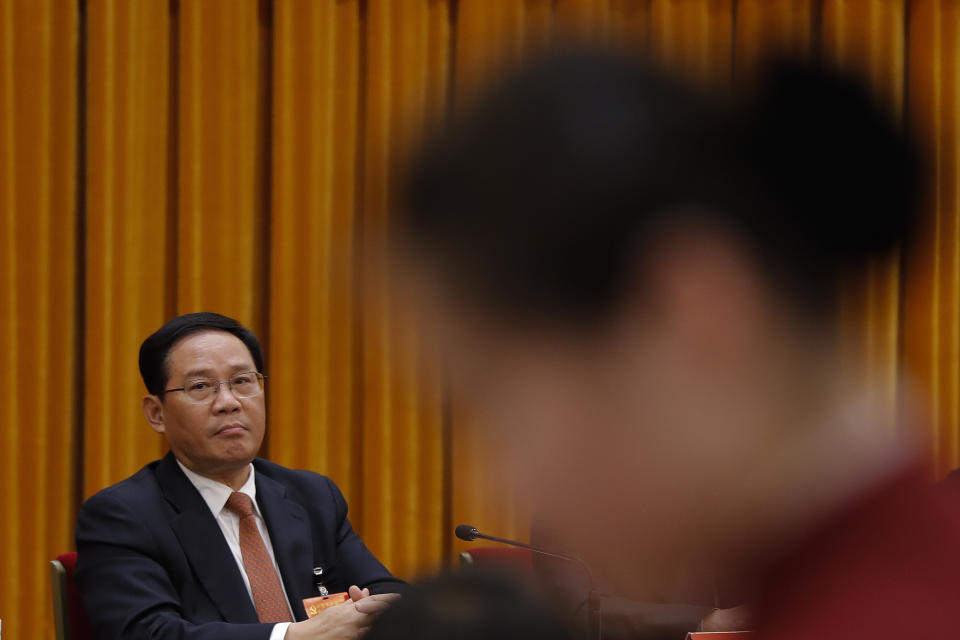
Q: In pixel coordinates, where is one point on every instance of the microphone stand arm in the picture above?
(594, 610)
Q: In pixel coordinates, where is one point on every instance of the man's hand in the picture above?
(372, 605)
(345, 621)
(357, 594)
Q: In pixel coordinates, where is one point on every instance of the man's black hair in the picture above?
(154, 367)
(539, 199)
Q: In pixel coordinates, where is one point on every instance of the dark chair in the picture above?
(510, 558)
(70, 619)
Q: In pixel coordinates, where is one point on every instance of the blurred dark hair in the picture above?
(539, 197)
(470, 605)
(154, 351)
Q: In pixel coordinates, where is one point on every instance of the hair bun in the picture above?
(819, 141)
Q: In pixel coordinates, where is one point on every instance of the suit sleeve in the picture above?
(126, 591)
(359, 565)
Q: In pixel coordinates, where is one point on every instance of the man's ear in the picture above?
(153, 412)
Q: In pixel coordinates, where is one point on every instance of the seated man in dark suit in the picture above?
(212, 542)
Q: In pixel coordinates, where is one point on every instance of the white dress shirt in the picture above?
(215, 494)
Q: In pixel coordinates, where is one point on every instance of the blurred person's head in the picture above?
(634, 284)
(470, 605)
(205, 392)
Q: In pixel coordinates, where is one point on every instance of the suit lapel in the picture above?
(289, 528)
(204, 545)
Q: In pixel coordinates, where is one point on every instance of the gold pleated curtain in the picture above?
(165, 156)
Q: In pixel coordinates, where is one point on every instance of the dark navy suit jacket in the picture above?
(153, 562)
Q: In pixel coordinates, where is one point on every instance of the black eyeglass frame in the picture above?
(229, 382)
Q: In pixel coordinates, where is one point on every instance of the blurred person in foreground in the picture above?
(471, 605)
(634, 281)
(211, 541)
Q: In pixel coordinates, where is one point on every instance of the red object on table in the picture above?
(501, 558)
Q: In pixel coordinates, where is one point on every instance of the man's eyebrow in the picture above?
(198, 373)
(237, 367)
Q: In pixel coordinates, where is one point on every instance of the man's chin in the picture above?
(239, 450)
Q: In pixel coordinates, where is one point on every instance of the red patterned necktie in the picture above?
(268, 595)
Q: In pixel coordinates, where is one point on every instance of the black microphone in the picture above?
(469, 534)
(594, 625)
(466, 532)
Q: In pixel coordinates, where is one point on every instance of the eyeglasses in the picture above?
(243, 385)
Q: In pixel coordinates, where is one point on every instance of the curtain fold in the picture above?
(402, 509)
(222, 156)
(869, 37)
(127, 243)
(931, 326)
(39, 327)
(314, 388)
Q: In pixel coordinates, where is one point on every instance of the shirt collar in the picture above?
(215, 494)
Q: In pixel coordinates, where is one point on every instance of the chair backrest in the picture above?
(70, 618)
(510, 558)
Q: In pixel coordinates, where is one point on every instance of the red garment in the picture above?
(887, 567)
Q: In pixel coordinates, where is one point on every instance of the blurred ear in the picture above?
(153, 412)
(705, 292)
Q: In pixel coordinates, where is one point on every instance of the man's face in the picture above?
(223, 433)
